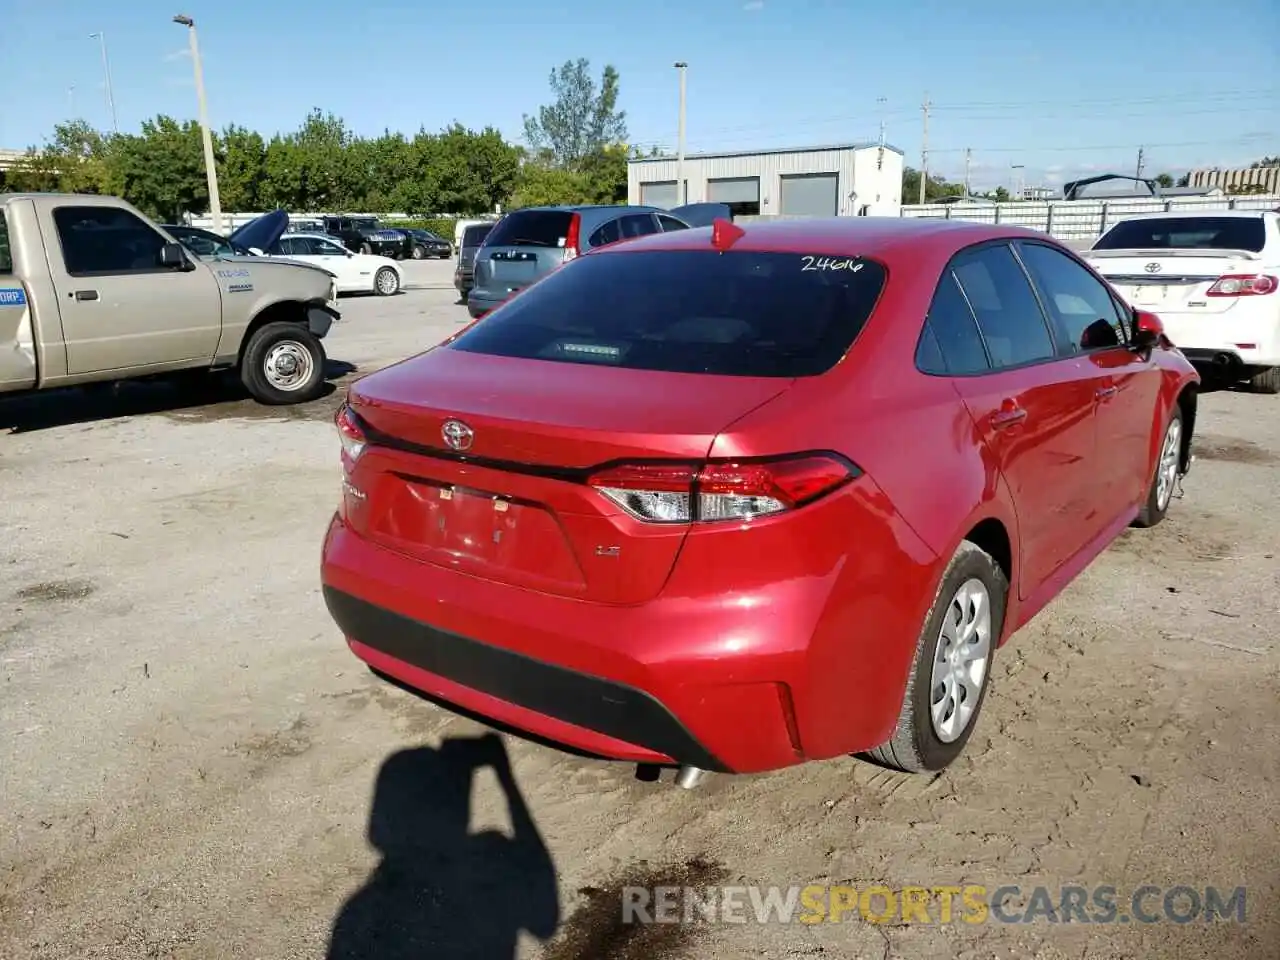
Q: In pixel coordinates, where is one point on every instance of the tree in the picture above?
(242, 155)
(542, 186)
(934, 189)
(74, 160)
(1164, 179)
(582, 120)
(1265, 162)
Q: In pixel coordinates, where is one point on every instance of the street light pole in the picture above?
(210, 166)
(101, 37)
(1017, 181)
(682, 190)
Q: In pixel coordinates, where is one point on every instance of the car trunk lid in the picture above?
(1172, 280)
(460, 472)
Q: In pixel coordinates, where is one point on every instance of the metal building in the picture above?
(845, 180)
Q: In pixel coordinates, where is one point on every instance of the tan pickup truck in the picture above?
(91, 291)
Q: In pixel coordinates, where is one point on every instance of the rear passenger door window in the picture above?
(607, 233)
(1009, 317)
(637, 225)
(951, 336)
(670, 224)
(1084, 314)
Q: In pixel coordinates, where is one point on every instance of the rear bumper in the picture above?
(1247, 331)
(478, 304)
(612, 717)
(740, 665)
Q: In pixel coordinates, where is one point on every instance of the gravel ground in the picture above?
(190, 757)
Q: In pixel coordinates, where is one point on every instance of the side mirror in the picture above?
(172, 257)
(1148, 330)
(257, 251)
(349, 254)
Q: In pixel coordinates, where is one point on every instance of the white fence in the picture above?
(1079, 219)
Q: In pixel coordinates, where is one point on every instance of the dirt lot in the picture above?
(189, 754)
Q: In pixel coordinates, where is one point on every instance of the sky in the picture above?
(1059, 89)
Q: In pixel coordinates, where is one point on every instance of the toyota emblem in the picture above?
(457, 435)
(1152, 268)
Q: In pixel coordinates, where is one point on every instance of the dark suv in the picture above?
(526, 244)
(366, 235)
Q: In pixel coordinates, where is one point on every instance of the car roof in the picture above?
(1197, 214)
(851, 236)
(590, 207)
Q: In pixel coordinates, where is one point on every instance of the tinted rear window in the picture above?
(689, 311)
(1186, 233)
(474, 236)
(538, 228)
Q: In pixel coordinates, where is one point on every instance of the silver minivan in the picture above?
(529, 243)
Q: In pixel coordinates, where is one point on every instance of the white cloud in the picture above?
(177, 55)
(751, 6)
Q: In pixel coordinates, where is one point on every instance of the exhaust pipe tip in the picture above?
(689, 777)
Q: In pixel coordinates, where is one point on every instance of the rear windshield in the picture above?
(689, 311)
(474, 236)
(536, 228)
(1186, 233)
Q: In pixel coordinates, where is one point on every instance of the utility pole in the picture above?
(880, 102)
(968, 164)
(682, 192)
(1140, 160)
(101, 37)
(1016, 183)
(924, 147)
(210, 167)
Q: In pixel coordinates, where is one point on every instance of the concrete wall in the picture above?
(1080, 219)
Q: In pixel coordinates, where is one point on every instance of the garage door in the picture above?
(661, 194)
(810, 195)
(737, 190)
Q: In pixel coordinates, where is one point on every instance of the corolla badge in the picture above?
(457, 435)
(1152, 268)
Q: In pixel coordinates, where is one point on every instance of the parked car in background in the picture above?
(366, 235)
(304, 226)
(461, 225)
(527, 244)
(1214, 279)
(204, 243)
(738, 498)
(472, 238)
(427, 244)
(93, 292)
(354, 272)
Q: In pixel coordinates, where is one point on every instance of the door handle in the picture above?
(86, 294)
(1009, 414)
(1105, 393)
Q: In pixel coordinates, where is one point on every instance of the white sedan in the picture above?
(356, 272)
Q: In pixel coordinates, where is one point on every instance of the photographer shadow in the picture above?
(440, 890)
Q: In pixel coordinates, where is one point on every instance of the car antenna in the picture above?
(725, 234)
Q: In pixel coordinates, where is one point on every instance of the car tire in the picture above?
(919, 742)
(1268, 381)
(366, 249)
(1163, 478)
(283, 363)
(386, 282)
(419, 252)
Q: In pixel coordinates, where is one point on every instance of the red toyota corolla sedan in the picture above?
(738, 498)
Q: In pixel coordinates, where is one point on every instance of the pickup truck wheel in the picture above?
(386, 282)
(365, 248)
(283, 363)
(419, 252)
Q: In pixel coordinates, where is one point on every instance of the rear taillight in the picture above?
(573, 238)
(352, 437)
(1243, 285)
(722, 490)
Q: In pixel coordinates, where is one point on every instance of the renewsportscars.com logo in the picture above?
(970, 904)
